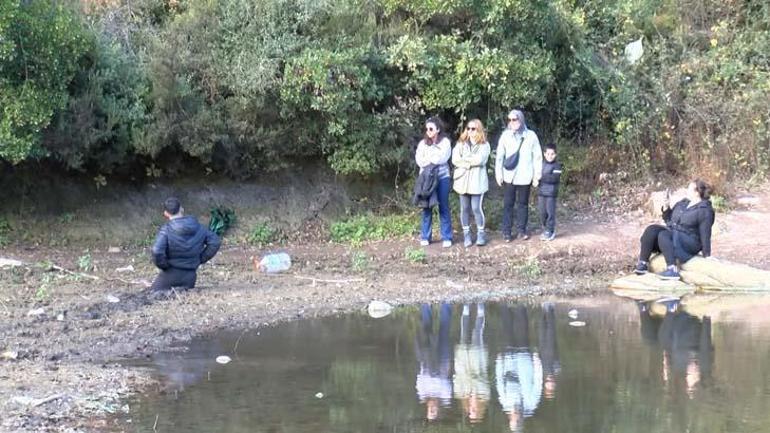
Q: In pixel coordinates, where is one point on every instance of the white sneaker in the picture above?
(446, 244)
(424, 243)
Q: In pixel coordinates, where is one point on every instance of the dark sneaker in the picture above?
(522, 236)
(669, 274)
(507, 238)
(551, 236)
(641, 268)
(544, 236)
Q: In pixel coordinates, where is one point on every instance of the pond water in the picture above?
(490, 367)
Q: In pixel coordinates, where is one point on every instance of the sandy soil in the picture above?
(64, 333)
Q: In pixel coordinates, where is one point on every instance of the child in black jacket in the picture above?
(547, 192)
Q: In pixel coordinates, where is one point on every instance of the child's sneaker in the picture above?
(544, 235)
(523, 236)
(641, 268)
(551, 236)
(670, 273)
(424, 243)
(446, 244)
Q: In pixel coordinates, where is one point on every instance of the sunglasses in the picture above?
(470, 128)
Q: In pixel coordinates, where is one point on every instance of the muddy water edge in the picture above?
(66, 374)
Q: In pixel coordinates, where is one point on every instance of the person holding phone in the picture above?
(687, 231)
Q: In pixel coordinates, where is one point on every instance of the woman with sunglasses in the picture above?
(470, 157)
(516, 182)
(435, 149)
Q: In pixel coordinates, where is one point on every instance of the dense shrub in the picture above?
(239, 87)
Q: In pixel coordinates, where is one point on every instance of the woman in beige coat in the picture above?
(469, 158)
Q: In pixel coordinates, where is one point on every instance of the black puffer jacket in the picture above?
(549, 181)
(183, 243)
(691, 228)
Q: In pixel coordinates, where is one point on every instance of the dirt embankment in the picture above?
(63, 332)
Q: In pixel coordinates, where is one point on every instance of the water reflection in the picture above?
(687, 351)
(471, 378)
(434, 384)
(518, 371)
(474, 367)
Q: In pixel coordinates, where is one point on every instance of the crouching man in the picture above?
(182, 245)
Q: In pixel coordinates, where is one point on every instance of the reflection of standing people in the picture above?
(549, 352)
(434, 387)
(518, 372)
(471, 385)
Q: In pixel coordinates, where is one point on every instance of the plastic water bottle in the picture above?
(276, 262)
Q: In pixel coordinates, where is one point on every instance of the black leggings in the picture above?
(659, 239)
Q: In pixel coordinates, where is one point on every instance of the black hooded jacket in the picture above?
(691, 228)
(183, 243)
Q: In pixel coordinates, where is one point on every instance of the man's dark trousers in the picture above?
(174, 277)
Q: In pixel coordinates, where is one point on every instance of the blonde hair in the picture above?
(482, 134)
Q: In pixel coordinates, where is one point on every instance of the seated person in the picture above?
(182, 245)
(686, 233)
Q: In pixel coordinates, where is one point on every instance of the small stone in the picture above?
(319, 395)
(223, 359)
(10, 263)
(36, 312)
(378, 309)
(129, 268)
(113, 250)
(112, 299)
(9, 355)
(577, 323)
(573, 314)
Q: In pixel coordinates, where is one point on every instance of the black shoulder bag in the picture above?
(512, 161)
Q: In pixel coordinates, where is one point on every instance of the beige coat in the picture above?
(470, 162)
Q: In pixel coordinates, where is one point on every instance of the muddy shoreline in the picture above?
(68, 345)
(66, 333)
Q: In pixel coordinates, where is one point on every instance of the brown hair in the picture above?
(704, 189)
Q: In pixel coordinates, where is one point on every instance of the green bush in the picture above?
(372, 228)
(5, 232)
(359, 261)
(262, 234)
(719, 203)
(415, 255)
(221, 220)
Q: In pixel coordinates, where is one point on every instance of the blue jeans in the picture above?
(442, 191)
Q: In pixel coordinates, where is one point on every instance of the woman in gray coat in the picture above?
(517, 182)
